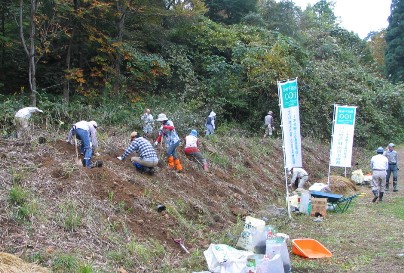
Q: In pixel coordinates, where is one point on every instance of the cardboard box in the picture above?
(318, 206)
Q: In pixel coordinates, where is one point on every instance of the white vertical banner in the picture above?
(289, 105)
(342, 136)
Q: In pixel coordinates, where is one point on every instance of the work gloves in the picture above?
(120, 158)
(156, 143)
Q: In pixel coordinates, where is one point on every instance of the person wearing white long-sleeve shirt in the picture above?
(379, 164)
(22, 120)
(86, 131)
(299, 177)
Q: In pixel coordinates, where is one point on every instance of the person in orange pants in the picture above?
(172, 140)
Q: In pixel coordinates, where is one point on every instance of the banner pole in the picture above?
(283, 150)
(332, 139)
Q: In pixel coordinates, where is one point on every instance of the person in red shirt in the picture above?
(191, 149)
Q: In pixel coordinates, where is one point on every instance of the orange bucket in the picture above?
(309, 248)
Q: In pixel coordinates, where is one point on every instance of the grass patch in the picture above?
(69, 216)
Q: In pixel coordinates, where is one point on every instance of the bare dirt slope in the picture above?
(115, 204)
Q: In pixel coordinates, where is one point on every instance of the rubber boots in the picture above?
(171, 162)
(381, 196)
(387, 186)
(375, 193)
(205, 167)
(178, 165)
(395, 186)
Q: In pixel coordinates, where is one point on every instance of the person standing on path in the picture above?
(172, 140)
(147, 157)
(393, 168)
(86, 132)
(268, 120)
(210, 123)
(191, 149)
(379, 165)
(22, 120)
(148, 123)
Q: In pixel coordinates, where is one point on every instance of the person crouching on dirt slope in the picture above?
(86, 132)
(167, 130)
(147, 157)
(191, 148)
(299, 177)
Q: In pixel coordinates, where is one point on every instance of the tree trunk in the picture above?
(30, 51)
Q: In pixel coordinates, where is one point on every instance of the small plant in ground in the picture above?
(65, 263)
(17, 175)
(68, 168)
(85, 268)
(69, 217)
(17, 195)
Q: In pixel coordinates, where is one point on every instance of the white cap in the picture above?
(93, 123)
(162, 117)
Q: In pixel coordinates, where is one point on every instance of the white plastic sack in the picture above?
(222, 258)
(320, 187)
(251, 227)
(357, 177)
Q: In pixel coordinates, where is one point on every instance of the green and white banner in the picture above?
(342, 136)
(289, 105)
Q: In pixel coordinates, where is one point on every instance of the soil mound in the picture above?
(340, 185)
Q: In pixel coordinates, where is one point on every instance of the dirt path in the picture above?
(367, 238)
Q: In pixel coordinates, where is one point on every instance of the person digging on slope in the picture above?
(172, 140)
(191, 148)
(147, 157)
(86, 132)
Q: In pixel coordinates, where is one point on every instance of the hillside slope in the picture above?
(106, 218)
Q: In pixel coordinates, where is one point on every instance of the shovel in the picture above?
(181, 243)
(78, 162)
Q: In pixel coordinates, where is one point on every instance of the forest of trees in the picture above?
(225, 55)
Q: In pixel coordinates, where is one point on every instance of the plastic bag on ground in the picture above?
(222, 258)
(358, 177)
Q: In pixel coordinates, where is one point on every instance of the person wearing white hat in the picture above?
(172, 140)
(22, 120)
(210, 123)
(393, 168)
(268, 120)
(86, 132)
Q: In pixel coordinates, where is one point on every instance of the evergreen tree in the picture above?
(394, 55)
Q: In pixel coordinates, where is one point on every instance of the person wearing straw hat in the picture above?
(393, 168)
(268, 120)
(192, 149)
(147, 157)
(172, 140)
